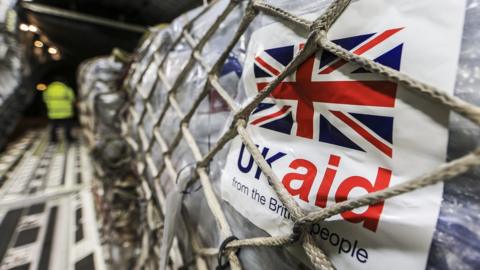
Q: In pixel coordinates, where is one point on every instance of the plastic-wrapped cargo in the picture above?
(101, 102)
(207, 124)
(14, 96)
(455, 243)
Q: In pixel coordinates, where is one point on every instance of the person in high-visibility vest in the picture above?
(59, 99)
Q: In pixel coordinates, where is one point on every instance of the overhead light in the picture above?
(32, 28)
(23, 27)
(41, 87)
(38, 44)
(52, 50)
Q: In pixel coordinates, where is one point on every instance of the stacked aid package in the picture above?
(101, 101)
(14, 97)
(99, 81)
(331, 131)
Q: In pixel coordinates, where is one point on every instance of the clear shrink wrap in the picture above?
(456, 242)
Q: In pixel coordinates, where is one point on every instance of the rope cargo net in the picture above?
(151, 143)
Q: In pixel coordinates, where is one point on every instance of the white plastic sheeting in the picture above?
(13, 98)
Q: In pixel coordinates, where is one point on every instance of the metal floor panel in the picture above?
(47, 215)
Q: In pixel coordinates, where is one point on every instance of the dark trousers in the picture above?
(66, 124)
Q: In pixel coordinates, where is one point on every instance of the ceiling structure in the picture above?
(142, 12)
(77, 39)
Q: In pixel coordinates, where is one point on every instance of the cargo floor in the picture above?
(47, 217)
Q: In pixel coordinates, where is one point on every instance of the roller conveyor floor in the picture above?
(47, 216)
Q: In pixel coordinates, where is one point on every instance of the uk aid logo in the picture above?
(335, 103)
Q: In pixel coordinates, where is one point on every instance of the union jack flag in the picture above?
(330, 100)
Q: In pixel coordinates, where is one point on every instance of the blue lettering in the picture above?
(269, 160)
(240, 158)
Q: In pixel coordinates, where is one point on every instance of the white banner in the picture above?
(334, 131)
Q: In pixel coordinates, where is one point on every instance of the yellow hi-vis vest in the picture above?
(59, 99)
